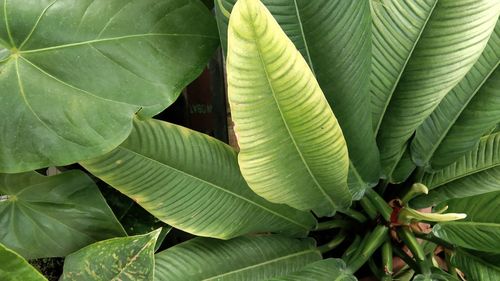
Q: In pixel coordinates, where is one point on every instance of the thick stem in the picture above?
(407, 259)
(355, 215)
(373, 241)
(331, 225)
(387, 258)
(368, 207)
(334, 243)
(418, 252)
(382, 207)
(434, 239)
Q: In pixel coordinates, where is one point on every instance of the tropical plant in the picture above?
(368, 127)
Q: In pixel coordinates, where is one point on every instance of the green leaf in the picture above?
(130, 258)
(292, 148)
(471, 235)
(192, 182)
(475, 173)
(324, 270)
(243, 258)
(53, 216)
(421, 51)
(14, 268)
(479, 208)
(474, 267)
(465, 114)
(318, 30)
(76, 73)
(404, 168)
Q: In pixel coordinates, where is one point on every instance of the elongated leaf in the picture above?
(324, 270)
(404, 168)
(244, 258)
(452, 35)
(474, 267)
(292, 148)
(471, 235)
(53, 216)
(465, 114)
(75, 73)
(128, 259)
(14, 268)
(192, 182)
(479, 208)
(333, 37)
(475, 173)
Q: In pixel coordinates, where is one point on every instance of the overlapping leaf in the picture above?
(421, 51)
(128, 259)
(334, 38)
(471, 109)
(192, 182)
(74, 73)
(323, 270)
(475, 173)
(243, 258)
(53, 216)
(14, 268)
(474, 267)
(292, 148)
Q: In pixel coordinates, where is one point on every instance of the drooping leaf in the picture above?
(192, 182)
(474, 267)
(74, 73)
(475, 173)
(333, 37)
(323, 270)
(53, 216)
(292, 148)
(465, 114)
(127, 259)
(445, 39)
(471, 235)
(14, 268)
(243, 258)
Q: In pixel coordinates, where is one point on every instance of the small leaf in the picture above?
(324, 270)
(130, 258)
(243, 258)
(53, 216)
(14, 268)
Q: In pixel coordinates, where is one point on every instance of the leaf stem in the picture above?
(434, 239)
(407, 259)
(371, 243)
(368, 207)
(379, 203)
(333, 243)
(331, 225)
(355, 215)
(387, 259)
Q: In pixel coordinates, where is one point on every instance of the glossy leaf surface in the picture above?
(471, 109)
(53, 216)
(192, 182)
(14, 268)
(243, 258)
(474, 267)
(446, 38)
(323, 270)
(471, 235)
(74, 74)
(292, 148)
(125, 259)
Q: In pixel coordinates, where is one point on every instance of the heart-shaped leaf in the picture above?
(53, 216)
(74, 73)
(130, 258)
(292, 148)
(14, 268)
(243, 258)
(192, 182)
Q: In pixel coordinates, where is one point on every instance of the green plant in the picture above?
(380, 117)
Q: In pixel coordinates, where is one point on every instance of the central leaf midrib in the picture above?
(264, 67)
(310, 251)
(215, 186)
(132, 260)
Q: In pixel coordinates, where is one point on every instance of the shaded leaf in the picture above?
(192, 182)
(465, 114)
(14, 268)
(474, 267)
(53, 216)
(479, 208)
(471, 235)
(324, 270)
(130, 258)
(72, 95)
(292, 148)
(243, 258)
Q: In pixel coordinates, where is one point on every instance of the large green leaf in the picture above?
(479, 208)
(474, 267)
(75, 73)
(243, 258)
(14, 268)
(53, 216)
(192, 182)
(125, 259)
(471, 235)
(292, 148)
(465, 114)
(323, 270)
(421, 51)
(333, 37)
(475, 173)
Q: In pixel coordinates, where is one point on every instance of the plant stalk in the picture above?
(368, 207)
(373, 241)
(387, 259)
(333, 243)
(331, 225)
(379, 203)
